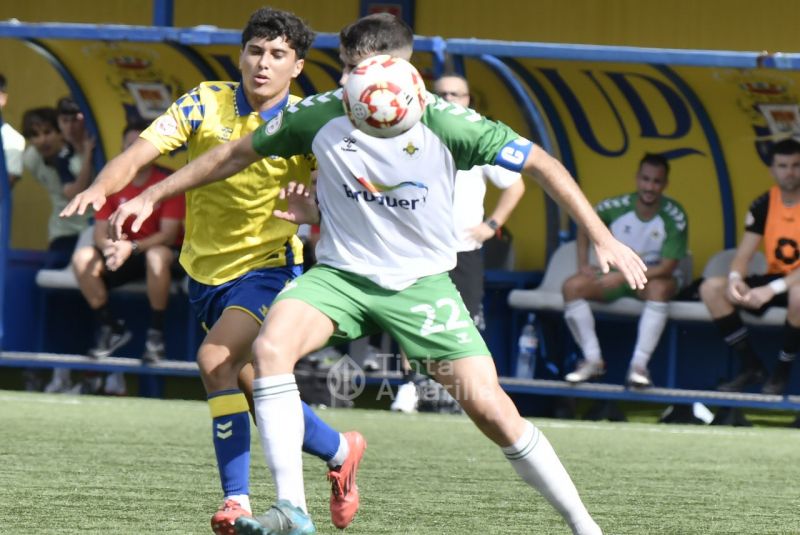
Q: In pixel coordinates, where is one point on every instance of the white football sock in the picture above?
(341, 453)
(580, 321)
(651, 325)
(533, 458)
(280, 425)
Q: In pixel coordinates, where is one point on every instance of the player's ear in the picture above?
(298, 67)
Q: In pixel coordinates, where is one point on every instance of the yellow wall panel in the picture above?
(138, 12)
(712, 24)
(327, 17)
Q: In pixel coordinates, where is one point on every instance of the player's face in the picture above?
(268, 68)
(350, 60)
(47, 140)
(72, 126)
(786, 171)
(452, 89)
(650, 183)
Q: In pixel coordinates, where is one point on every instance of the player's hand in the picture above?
(481, 233)
(140, 207)
(737, 289)
(117, 253)
(757, 297)
(301, 203)
(93, 196)
(615, 253)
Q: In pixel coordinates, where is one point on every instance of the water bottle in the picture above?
(528, 344)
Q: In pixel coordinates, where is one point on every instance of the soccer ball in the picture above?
(384, 96)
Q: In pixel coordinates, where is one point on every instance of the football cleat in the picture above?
(638, 377)
(109, 339)
(344, 491)
(407, 398)
(222, 523)
(587, 369)
(283, 518)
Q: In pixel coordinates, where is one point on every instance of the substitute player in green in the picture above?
(656, 227)
(238, 256)
(383, 263)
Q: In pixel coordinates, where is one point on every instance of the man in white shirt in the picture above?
(13, 142)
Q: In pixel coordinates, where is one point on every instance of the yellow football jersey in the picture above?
(229, 225)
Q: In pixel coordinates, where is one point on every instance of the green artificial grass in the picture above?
(137, 466)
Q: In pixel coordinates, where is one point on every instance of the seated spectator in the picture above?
(63, 172)
(773, 219)
(13, 141)
(654, 226)
(148, 254)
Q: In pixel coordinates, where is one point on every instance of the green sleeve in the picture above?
(292, 131)
(472, 139)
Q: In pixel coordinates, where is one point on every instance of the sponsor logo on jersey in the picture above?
(406, 194)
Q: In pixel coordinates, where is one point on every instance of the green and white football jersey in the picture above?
(663, 236)
(387, 204)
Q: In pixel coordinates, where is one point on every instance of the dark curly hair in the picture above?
(273, 23)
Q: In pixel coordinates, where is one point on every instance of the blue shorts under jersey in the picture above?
(252, 293)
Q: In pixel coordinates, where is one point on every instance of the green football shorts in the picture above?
(428, 319)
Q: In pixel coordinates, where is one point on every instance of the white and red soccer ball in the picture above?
(384, 96)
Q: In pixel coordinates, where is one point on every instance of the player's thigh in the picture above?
(229, 340)
(324, 297)
(583, 286)
(429, 320)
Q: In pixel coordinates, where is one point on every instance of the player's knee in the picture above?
(83, 257)
(793, 310)
(265, 349)
(659, 290)
(573, 288)
(158, 258)
(713, 288)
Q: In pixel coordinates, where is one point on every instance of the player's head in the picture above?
(453, 88)
(784, 158)
(70, 119)
(381, 33)
(132, 130)
(40, 128)
(3, 92)
(274, 47)
(651, 178)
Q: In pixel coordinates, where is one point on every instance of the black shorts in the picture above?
(468, 278)
(781, 300)
(135, 269)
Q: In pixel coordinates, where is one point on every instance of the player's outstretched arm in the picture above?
(116, 174)
(217, 164)
(558, 183)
